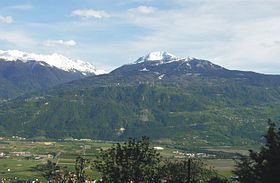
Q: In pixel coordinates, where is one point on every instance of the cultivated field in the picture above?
(19, 157)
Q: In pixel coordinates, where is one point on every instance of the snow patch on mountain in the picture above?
(54, 60)
(159, 56)
(144, 70)
(161, 76)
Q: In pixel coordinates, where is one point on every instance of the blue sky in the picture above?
(237, 34)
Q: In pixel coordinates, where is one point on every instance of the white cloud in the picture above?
(21, 7)
(234, 34)
(253, 45)
(60, 42)
(90, 13)
(17, 39)
(6, 19)
(143, 10)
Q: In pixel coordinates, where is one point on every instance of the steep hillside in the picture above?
(203, 104)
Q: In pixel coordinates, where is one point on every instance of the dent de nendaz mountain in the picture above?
(184, 100)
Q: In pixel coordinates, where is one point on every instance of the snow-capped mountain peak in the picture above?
(54, 60)
(159, 56)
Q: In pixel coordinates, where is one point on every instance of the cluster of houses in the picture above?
(182, 155)
(13, 137)
(26, 155)
(73, 139)
(15, 179)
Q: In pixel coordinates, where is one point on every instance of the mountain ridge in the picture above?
(23, 72)
(189, 101)
(53, 60)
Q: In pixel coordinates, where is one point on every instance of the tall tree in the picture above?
(55, 173)
(50, 171)
(80, 167)
(187, 171)
(262, 166)
(133, 161)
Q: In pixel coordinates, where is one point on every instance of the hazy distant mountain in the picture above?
(22, 72)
